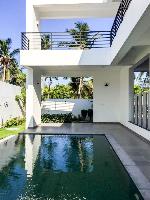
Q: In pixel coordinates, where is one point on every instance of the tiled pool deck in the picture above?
(132, 150)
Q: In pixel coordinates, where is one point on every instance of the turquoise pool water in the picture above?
(63, 168)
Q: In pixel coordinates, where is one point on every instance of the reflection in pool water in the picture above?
(63, 168)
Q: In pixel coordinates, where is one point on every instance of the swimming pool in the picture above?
(38, 167)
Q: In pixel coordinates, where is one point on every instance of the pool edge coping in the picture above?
(137, 176)
(6, 138)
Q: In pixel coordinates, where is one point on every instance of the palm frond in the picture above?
(14, 52)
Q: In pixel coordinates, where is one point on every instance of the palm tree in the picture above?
(81, 39)
(7, 58)
(17, 77)
(82, 87)
(88, 88)
(80, 36)
(46, 42)
(50, 81)
(142, 79)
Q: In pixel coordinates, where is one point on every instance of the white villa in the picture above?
(112, 57)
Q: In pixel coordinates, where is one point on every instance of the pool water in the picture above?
(63, 168)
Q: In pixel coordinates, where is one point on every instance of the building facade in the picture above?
(110, 57)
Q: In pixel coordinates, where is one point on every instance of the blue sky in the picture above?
(12, 22)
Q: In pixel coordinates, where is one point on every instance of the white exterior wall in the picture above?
(8, 93)
(106, 102)
(64, 106)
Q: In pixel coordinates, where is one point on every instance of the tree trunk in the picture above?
(80, 88)
(4, 73)
(49, 89)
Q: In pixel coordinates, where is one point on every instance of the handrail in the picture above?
(119, 18)
(64, 40)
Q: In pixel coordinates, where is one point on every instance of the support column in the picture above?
(32, 26)
(33, 98)
(131, 94)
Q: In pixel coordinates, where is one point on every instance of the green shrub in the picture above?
(84, 114)
(14, 122)
(57, 118)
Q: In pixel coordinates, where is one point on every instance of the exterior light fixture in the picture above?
(107, 84)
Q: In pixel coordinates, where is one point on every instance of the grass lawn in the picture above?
(4, 132)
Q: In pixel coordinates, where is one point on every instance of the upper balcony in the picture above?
(82, 40)
(129, 34)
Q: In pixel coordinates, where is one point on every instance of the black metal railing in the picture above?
(141, 110)
(64, 40)
(119, 18)
(24, 42)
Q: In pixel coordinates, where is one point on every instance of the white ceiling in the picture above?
(76, 10)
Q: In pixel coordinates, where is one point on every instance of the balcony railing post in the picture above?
(111, 38)
(144, 124)
(28, 44)
(22, 41)
(51, 41)
(80, 39)
(148, 111)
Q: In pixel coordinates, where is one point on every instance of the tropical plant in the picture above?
(74, 84)
(46, 42)
(82, 88)
(80, 37)
(87, 90)
(17, 77)
(7, 58)
(49, 79)
(57, 92)
(14, 122)
(142, 79)
(138, 89)
(57, 118)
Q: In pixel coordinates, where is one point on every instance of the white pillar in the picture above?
(32, 26)
(131, 94)
(33, 98)
(32, 19)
